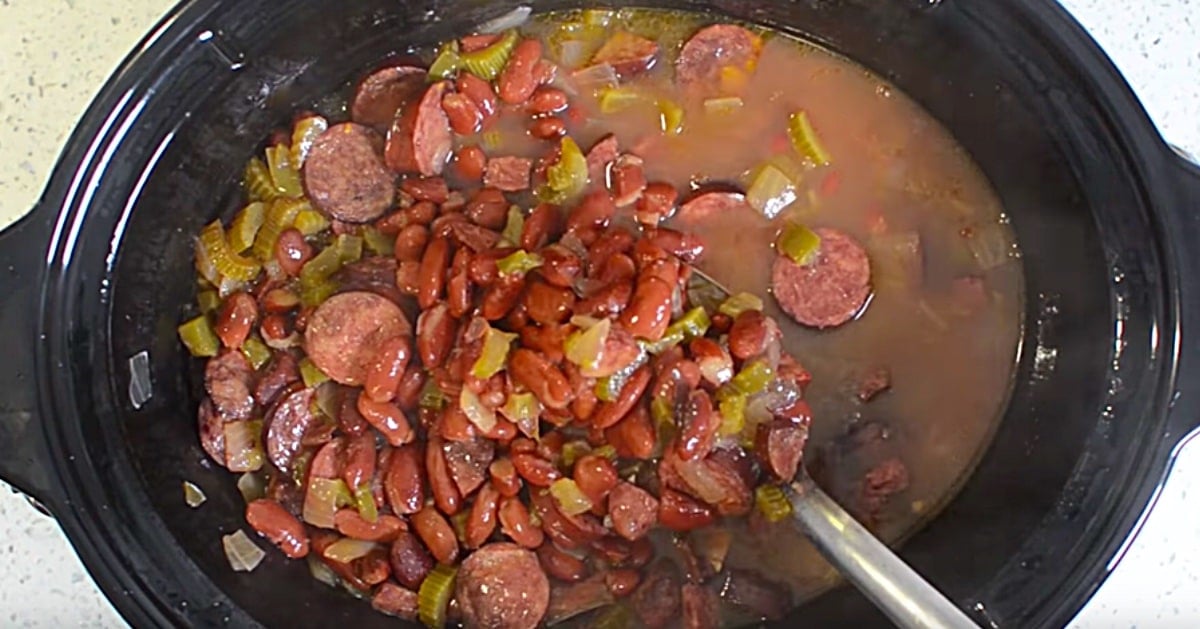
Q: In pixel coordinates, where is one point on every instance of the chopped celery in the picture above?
(494, 355)
(770, 191)
(315, 282)
(511, 236)
(723, 106)
(572, 450)
(739, 303)
(487, 63)
(607, 451)
(608, 387)
(245, 226)
(458, 522)
(257, 181)
(615, 99)
(322, 500)
(753, 378)
(519, 263)
(798, 243)
(586, 347)
(312, 375)
(364, 500)
(256, 351)
(214, 248)
(192, 495)
(314, 293)
(570, 499)
(733, 414)
(445, 66)
(377, 242)
(434, 596)
(208, 300)
(492, 140)
(348, 549)
(304, 134)
(566, 178)
(661, 411)
(614, 616)
(480, 415)
(281, 213)
(349, 248)
(199, 338)
(284, 176)
(243, 446)
(670, 116)
(431, 396)
(310, 222)
(690, 325)
(772, 502)
(804, 139)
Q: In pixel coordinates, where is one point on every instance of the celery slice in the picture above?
(199, 337)
(804, 139)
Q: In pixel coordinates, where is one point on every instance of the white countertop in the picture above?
(55, 54)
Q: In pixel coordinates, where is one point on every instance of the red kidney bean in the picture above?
(388, 419)
(464, 115)
(699, 430)
(608, 301)
(482, 519)
(360, 460)
(410, 243)
(517, 82)
(560, 565)
(649, 310)
(433, 272)
(628, 181)
(459, 295)
(634, 436)
(488, 208)
(595, 210)
(548, 304)
(329, 459)
(236, 319)
(609, 413)
(749, 335)
(618, 268)
(408, 394)
(547, 128)
(622, 582)
(516, 523)
(408, 277)
(384, 529)
(273, 522)
(547, 100)
(546, 339)
(445, 492)
(595, 476)
(535, 470)
(292, 252)
(479, 91)
(687, 247)
(501, 297)
(421, 213)
(584, 390)
(435, 335)
(280, 300)
(540, 376)
(681, 513)
(656, 203)
(609, 244)
(403, 480)
(438, 535)
(384, 375)
(643, 552)
(504, 477)
(560, 266)
(550, 446)
(410, 561)
(470, 162)
(540, 227)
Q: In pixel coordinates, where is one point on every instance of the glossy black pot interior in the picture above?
(97, 276)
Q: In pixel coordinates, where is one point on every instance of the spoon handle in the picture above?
(895, 588)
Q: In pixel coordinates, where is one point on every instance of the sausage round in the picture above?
(628, 54)
(286, 424)
(345, 177)
(420, 139)
(229, 380)
(713, 48)
(828, 291)
(502, 585)
(383, 92)
(346, 331)
(710, 204)
(633, 510)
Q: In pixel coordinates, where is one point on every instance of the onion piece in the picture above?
(991, 247)
(512, 19)
(586, 347)
(599, 76)
(322, 500)
(243, 554)
(570, 498)
(252, 486)
(322, 572)
(480, 415)
(348, 549)
(192, 495)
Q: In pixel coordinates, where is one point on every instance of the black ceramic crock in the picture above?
(98, 415)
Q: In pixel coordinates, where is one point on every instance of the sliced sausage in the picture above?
(830, 290)
(212, 431)
(468, 462)
(393, 600)
(873, 383)
(603, 152)
(701, 607)
(510, 174)
(420, 139)
(346, 330)
(756, 594)
(281, 372)
(570, 600)
(710, 204)
(286, 424)
(713, 48)
(628, 54)
(779, 445)
(633, 510)
(375, 274)
(345, 176)
(656, 602)
(229, 380)
(502, 585)
(410, 561)
(383, 92)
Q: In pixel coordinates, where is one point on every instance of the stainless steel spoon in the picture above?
(894, 587)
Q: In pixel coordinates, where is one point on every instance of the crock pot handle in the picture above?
(1184, 418)
(23, 458)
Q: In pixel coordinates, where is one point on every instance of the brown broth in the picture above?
(951, 364)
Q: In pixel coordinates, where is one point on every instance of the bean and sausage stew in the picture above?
(524, 334)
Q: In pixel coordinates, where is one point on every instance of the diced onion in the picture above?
(252, 486)
(739, 303)
(513, 226)
(322, 572)
(586, 347)
(192, 495)
(570, 498)
(599, 76)
(494, 355)
(481, 416)
(243, 446)
(243, 554)
(322, 500)
(347, 549)
(523, 409)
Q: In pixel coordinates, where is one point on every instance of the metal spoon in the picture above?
(894, 587)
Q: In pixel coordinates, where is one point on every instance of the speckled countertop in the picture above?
(55, 54)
